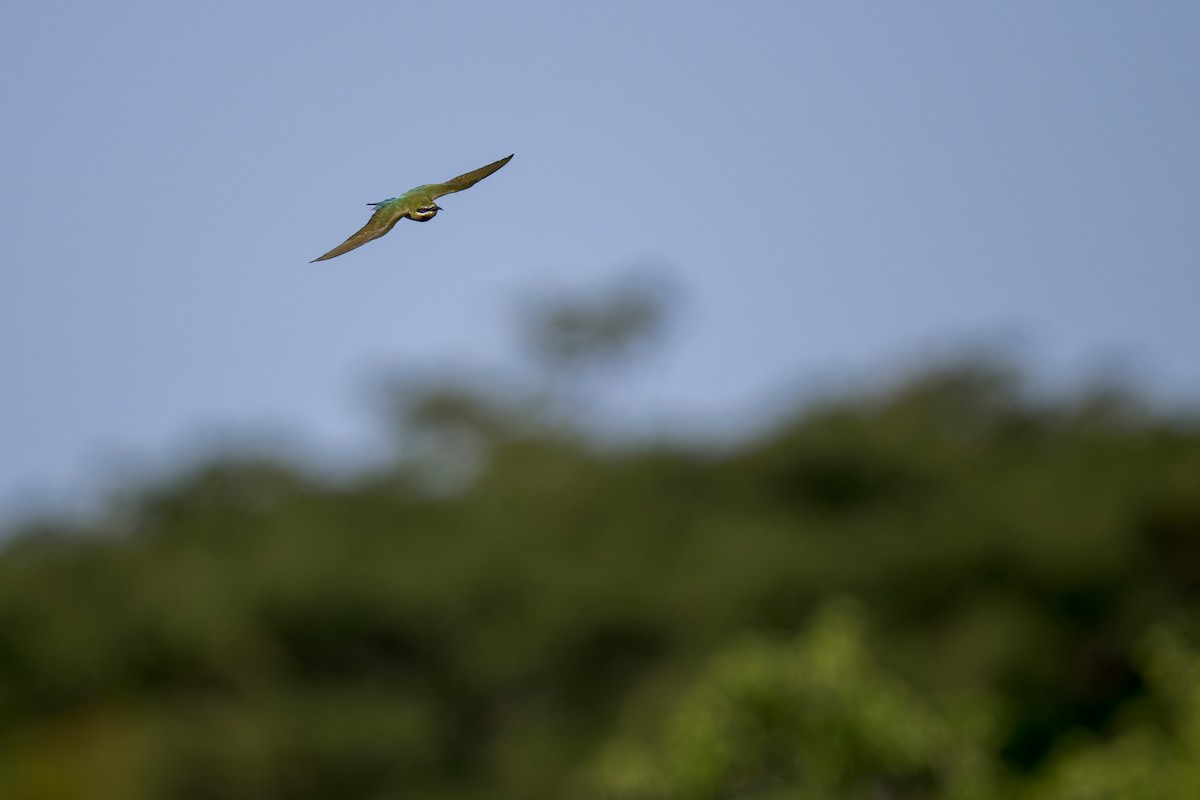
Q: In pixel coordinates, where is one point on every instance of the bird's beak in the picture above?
(439, 208)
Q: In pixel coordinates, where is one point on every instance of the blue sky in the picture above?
(834, 187)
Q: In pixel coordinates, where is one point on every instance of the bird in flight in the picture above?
(415, 204)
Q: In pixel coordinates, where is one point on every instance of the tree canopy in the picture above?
(947, 589)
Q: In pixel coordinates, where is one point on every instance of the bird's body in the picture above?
(416, 204)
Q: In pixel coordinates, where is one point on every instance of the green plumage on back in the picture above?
(415, 204)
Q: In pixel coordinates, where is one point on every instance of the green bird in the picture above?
(415, 204)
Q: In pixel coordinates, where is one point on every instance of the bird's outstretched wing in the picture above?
(383, 220)
(466, 180)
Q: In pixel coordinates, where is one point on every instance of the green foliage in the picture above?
(513, 610)
(812, 718)
(1143, 759)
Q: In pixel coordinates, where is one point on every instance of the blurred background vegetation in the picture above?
(954, 587)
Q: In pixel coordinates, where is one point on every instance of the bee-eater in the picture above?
(415, 204)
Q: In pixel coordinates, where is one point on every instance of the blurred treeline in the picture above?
(948, 589)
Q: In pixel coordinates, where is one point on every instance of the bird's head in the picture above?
(426, 210)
